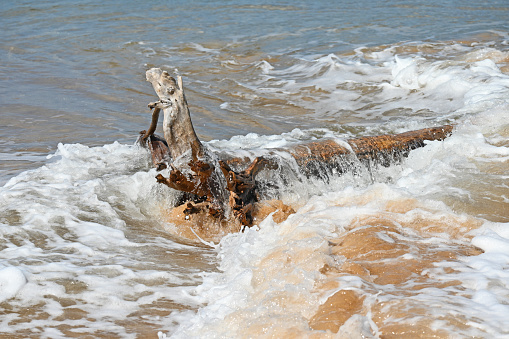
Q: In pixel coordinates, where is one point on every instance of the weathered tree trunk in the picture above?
(212, 185)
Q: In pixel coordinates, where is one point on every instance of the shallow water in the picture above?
(418, 249)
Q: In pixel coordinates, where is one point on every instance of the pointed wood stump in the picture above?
(210, 184)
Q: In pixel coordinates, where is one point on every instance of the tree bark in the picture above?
(210, 184)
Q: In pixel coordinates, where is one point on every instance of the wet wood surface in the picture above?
(216, 184)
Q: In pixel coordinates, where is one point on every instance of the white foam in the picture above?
(384, 85)
(82, 233)
(271, 271)
(12, 280)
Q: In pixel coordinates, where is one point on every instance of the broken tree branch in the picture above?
(177, 126)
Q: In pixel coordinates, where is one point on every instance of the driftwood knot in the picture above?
(161, 104)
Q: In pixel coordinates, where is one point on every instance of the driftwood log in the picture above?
(224, 186)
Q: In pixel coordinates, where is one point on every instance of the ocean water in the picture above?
(419, 249)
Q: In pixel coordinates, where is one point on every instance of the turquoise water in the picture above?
(86, 247)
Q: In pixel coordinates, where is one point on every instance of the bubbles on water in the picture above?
(87, 248)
